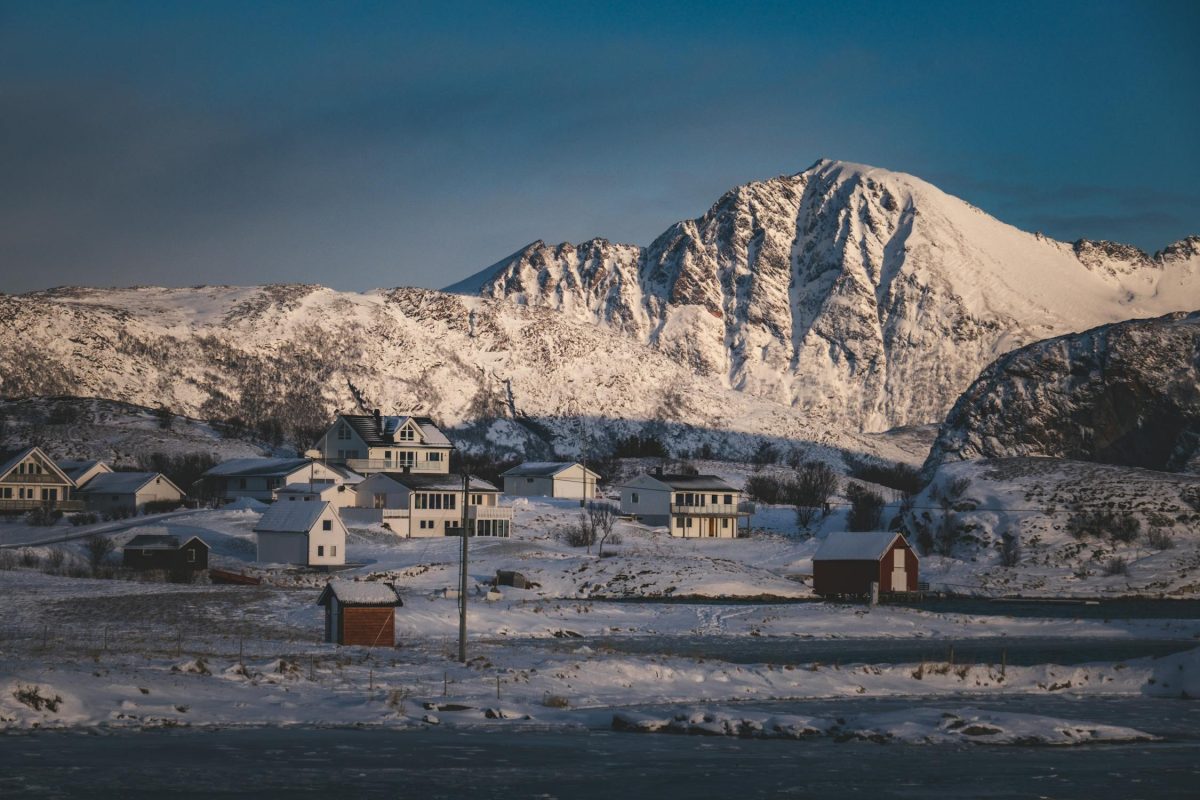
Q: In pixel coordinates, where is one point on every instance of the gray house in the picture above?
(551, 479)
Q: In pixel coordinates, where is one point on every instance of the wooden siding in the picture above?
(369, 626)
(854, 577)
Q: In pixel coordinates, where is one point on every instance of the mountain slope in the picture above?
(1126, 394)
(290, 356)
(866, 298)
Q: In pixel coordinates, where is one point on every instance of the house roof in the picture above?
(122, 482)
(291, 517)
(701, 482)
(349, 476)
(359, 593)
(380, 431)
(449, 483)
(258, 467)
(77, 469)
(158, 541)
(848, 546)
(10, 458)
(540, 469)
(309, 488)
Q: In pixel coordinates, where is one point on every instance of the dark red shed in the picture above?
(848, 563)
(360, 612)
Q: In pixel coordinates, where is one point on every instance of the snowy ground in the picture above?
(76, 651)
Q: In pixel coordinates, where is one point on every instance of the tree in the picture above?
(602, 516)
(815, 483)
(163, 414)
(98, 547)
(866, 507)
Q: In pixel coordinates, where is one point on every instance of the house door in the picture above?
(899, 576)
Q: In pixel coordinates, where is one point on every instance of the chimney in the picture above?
(658, 471)
(376, 414)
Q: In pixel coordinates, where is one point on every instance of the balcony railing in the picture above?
(29, 477)
(742, 509)
(30, 505)
(490, 512)
(383, 465)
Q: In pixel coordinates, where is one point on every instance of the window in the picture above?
(380, 499)
(7, 492)
(21, 468)
(451, 501)
(320, 550)
(476, 499)
(728, 500)
(387, 456)
(291, 497)
(343, 431)
(433, 457)
(714, 499)
(191, 556)
(679, 522)
(529, 480)
(333, 550)
(406, 434)
(327, 525)
(635, 498)
(689, 522)
(406, 458)
(725, 523)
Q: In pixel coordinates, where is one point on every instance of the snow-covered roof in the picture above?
(291, 517)
(539, 469)
(448, 483)
(77, 469)
(159, 541)
(848, 546)
(257, 467)
(246, 504)
(381, 431)
(121, 482)
(700, 482)
(360, 593)
(311, 488)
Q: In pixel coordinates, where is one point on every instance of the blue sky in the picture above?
(381, 144)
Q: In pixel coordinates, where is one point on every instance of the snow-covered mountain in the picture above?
(1125, 394)
(282, 359)
(865, 298)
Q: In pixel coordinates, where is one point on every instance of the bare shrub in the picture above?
(55, 558)
(1121, 526)
(768, 489)
(602, 517)
(814, 484)
(8, 560)
(556, 701)
(29, 558)
(98, 548)
(1010, 550)
(581, 534)
(866, 508)
(32, 697)
(1116, 566)
(1159, 538)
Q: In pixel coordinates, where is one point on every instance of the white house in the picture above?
(130, 491)
(430, 505)
(29, 479)
(701, 506)
(308, 534)
(83, 471)
(368, 443)
(551, 479)
(338, 495)
(260, 477)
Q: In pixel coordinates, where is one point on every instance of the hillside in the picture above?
(1125, 394)
(865, 298)
(282, 359)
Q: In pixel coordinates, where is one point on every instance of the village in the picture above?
(332, 589)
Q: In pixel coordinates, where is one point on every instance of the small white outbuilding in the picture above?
(308, 534)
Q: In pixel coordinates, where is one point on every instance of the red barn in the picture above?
(360, 613)
(848, 563)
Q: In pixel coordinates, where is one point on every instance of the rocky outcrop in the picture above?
(865, 298)
(1125, 394)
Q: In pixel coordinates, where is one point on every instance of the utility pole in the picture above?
(462, 577)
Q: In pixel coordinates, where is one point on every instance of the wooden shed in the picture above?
(360, 613)
(160, 551)
(848, 563)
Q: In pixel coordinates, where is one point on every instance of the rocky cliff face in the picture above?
(280, 360)
(865, 298)
(1125, 394)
